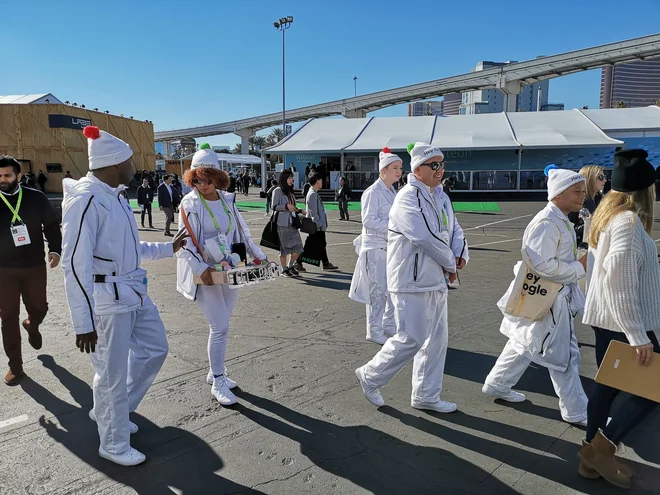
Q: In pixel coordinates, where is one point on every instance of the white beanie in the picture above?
(104, 149)
(205, 157)
(560, 179)
(386, 158)
(421, 152)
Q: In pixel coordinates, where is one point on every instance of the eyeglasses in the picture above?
(196, 182)
(601, 177)
(435, 166)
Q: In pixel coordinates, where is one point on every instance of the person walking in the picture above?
(342, 196)
(41, 180)
(284, 210)
(166, 202)
(213, 218)
(549, 250)
(26, 217)
(269, 196)
(595, 179)
(369, 283)
(623, 304)
(315, 251)
(420, 264)
(145, 196)
(113, 317)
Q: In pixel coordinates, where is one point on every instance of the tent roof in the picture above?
(230, 158)
(625, 119)
(559, 129)
(27, 99)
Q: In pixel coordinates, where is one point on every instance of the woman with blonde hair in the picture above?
(595, 180)
(623, 304)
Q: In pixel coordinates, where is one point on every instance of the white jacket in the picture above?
(189, 261)
(458, 243)
(624, 289)
(549, 242)
(418, 246)
(100, 237)
(375, 203)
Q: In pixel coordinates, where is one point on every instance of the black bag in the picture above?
(239, 249)
(262, 194)
(269, 237)
(307, 226)
(296, 222)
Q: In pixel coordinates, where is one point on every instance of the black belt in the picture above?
(99, 279)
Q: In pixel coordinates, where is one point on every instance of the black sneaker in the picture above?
(300, 268)
(294, 272)
(286, 273)
(330, 267)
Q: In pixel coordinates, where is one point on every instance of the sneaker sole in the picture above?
(424, 408)
(358, 375)
(505, 399)
(108, 457)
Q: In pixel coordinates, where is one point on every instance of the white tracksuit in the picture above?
(549, 242)
(217, 301)
(419, 252)
(100, 238)
(369, 283)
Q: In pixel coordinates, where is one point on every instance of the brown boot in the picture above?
(598, 456)
(12, 378)
(34, 336)
(591, 474)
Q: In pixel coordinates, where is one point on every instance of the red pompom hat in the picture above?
(386, 158)
(104, 149)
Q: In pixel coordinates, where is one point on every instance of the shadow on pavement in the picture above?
(372, 459)
(186, 463)
(325, 284)
(559, 466)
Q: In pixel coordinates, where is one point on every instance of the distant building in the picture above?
(425, 108)
(636, 84)
(451, 104)
(36, 99)
(494, 100)
(551, 107)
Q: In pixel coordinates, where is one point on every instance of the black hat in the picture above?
(632, 172)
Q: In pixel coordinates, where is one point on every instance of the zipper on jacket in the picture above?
(137, 252)
(102, 259)
(114, 284)
(415, 267)
(553, 317)
(543, 343)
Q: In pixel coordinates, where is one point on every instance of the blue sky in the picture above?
(188, 63)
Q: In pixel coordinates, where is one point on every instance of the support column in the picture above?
(167, 149)
(342, 164)
(354, 114)
(511, 90)
(245, 135)
(263, 173)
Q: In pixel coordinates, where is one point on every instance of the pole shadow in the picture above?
(175, 457)
(369, 458)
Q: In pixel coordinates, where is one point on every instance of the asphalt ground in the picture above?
(302, 424)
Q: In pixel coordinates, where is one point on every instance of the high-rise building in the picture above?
(635, 84)
(452, 104)
(494, 100)
(423, 108)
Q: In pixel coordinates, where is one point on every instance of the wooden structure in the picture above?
(30, 134)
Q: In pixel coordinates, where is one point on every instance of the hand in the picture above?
(291, 208)
(207, 277)
(303, 212)
(53, 260)
(460, 263)
(452, 278)
(583, 260)
(87, 341)
(644, 354)
(160, 208)
(257, 261)
(179, 240)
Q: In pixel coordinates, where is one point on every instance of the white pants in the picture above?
(130, 351)
(510, 366)
(217, 303)
(380, 312)
(421, 333)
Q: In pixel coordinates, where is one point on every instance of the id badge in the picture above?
(444, 235)
(20, 235)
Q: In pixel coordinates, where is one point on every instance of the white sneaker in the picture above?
(390, 332)
(440, 406)
(582, 423)
(372, 394)
(221, 392)
(378, 340)
(132, 427)
(510, 396)
(131, 457)
(230, 383)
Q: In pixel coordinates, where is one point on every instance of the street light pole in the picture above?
(355, 85)
(283, 24)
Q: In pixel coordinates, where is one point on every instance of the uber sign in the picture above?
(68, 122)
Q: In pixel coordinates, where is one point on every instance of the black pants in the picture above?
(147, 209)
(315, 251)
(631, 411)
(343, 208)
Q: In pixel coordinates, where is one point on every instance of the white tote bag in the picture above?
(530, 295)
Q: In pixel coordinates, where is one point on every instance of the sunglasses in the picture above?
(435, 166)
(202, 181)
(601, 177)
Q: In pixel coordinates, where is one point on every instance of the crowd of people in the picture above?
(409, 255)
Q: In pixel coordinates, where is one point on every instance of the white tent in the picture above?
(489, 131)
(613, 120)
(388, 131)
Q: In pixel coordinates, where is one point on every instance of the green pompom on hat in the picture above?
(410, 147)
(205, 146)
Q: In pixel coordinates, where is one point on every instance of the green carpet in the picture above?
(352, 206)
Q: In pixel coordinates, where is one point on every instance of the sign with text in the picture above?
(68, 122)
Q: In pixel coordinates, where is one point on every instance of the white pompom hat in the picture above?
(104, 149)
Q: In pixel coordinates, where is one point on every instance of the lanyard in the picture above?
(18, 206)
(444, 219)
(215, 222)
(568, 226)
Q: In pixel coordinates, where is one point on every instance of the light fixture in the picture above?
(107, 111)
(276, 24)
(289, 19)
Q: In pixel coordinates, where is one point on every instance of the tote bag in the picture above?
(269, 237)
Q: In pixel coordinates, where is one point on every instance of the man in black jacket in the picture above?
(26, 216)
(145, 197)
(342, 196)
(166, 202)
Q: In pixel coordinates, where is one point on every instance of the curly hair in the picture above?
(219, 177)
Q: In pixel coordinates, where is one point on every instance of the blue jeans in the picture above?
(631, 411)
